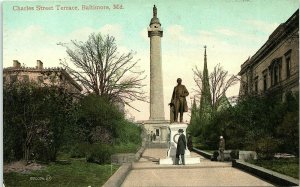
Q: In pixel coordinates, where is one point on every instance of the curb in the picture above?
(140, 152)
(269, 175)
(119, 176)
(203, 153)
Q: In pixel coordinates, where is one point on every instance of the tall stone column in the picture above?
(156, 81)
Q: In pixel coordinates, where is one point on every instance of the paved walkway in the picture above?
(147, 172)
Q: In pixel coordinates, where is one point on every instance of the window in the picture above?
(25, 78)
(288, 67)
(276, 75)
(275, 69)
(288, 63)
(265, 80)
(157, 132)
(40, 79)
(256, 84)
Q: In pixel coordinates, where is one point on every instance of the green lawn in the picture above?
(285, 166)
(75, 173)
(69, 171)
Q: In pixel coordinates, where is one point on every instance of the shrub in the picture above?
(34, 119)
(215, 156)
(128, 132)
(266, 147)
(79, 150)
(126, 148)
(289, 131)
(99, 153)
(97, 120)
(234, 154)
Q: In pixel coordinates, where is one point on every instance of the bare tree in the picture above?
(219, 81)
(102, 70)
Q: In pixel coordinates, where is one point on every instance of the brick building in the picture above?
(274, 68)
(41, 75)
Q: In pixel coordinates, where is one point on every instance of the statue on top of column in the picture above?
(154, 11)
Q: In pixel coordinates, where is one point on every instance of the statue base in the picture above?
(171, 154)
(159, 128)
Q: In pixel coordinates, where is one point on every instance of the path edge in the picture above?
(119, 176)
(266, 174)
(203, 153)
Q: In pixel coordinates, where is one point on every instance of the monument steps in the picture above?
(194, 166)
(157, 145)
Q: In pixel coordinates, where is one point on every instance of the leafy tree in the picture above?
(97, 120)
(102, 70)
(34, 117)
(288, 129)
(262, 124)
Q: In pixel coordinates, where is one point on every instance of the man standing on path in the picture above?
(181, 146)
(154, 136)
(222, 147)
(178, 101)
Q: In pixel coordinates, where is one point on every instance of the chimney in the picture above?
(16, 64)
(39, 64)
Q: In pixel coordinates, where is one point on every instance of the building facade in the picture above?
(40, 75)
(274, 68)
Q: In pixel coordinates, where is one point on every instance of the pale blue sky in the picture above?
(232, 30)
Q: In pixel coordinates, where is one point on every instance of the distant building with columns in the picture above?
(274, 68)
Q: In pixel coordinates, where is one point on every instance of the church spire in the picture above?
(205, 101)
(205, 59)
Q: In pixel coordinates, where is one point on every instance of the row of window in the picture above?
(275, 72)
(25, 78)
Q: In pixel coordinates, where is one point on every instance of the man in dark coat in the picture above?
(154, 137)
(178, 102)
(222, 148)
(181, 146)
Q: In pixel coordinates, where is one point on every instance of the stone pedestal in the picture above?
(153, 125)
(171, 154)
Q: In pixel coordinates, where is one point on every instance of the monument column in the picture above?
(156, 81)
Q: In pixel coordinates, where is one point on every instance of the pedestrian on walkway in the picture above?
(154, 137)
(181, 146)
(222, 148)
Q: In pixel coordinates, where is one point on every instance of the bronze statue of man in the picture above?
(178, 101)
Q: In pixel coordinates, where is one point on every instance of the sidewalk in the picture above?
(147, 172)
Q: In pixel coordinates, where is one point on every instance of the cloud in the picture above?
(112, 30)
(28, 45)
(244, 38)
(108, 29)
(144, 35)
(226, 32)
(34, 42)
(261, 26)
